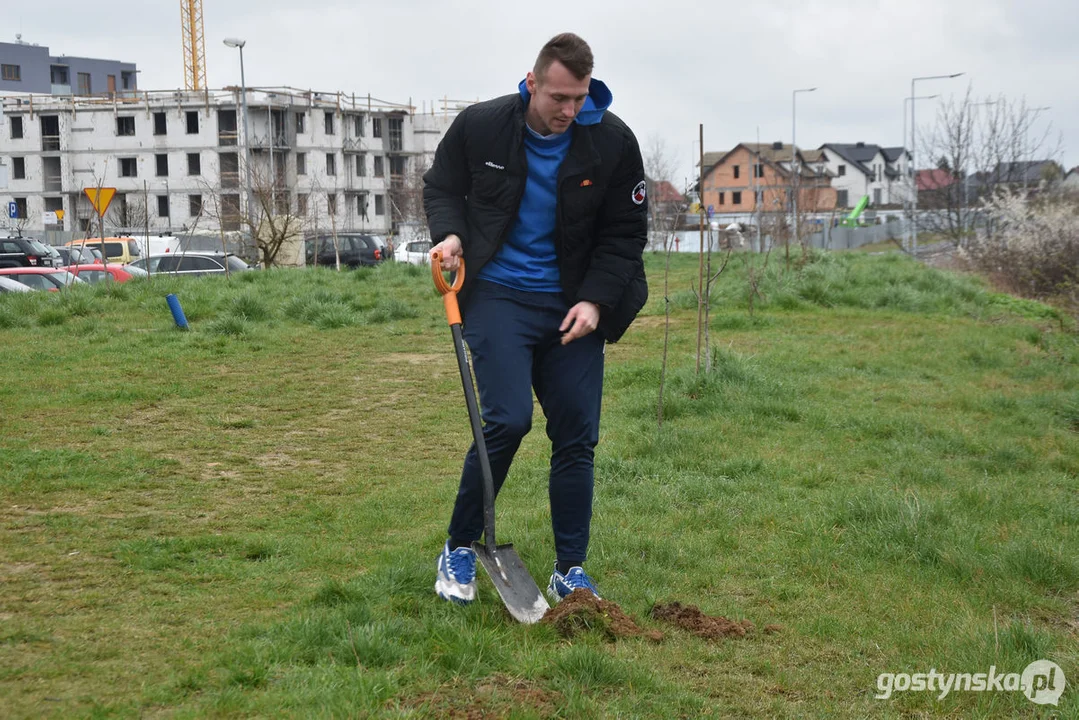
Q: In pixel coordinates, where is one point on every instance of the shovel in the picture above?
(519, 592)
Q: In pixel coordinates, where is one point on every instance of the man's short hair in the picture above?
(570, 50)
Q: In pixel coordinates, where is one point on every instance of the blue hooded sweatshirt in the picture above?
(527, 260)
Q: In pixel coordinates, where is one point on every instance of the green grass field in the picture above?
(242, 520)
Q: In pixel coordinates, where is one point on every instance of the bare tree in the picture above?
(981, 147)
(269, 221)
(664, 211)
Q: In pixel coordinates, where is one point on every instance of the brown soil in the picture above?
(582, 611)
(690, 617)
(497, 696)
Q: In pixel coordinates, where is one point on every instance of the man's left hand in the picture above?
(581, 319)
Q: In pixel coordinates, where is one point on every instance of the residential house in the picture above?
(862, 169)
(933, 187)
(1070, 183)
(753, 177)
(1025, 174)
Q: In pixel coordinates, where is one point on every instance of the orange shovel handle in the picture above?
(449, 292)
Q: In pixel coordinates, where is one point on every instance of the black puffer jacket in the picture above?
(475, 186)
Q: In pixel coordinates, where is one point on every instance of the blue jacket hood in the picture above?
(598, 100)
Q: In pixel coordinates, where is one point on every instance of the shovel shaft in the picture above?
(477, 437)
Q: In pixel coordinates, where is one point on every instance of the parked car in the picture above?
(190, 263)
(415, 252)
(9, 285)
(121, 250)
(24, 252)
(40, 278)
(356, 249)
(77, 256)
(98, 272)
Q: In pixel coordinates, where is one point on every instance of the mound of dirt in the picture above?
(690, 617)
(582, 611)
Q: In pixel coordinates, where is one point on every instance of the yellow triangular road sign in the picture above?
(100, 198)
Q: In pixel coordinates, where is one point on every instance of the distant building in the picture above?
(756, 177)
(1071, 180)
(862, 169)
(176, 159)
(26, 68)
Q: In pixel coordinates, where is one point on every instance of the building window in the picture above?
(11, 73)
(876, 196)
(227, 136)
(20, 209)
(361, 165)
(129, 167)
(301, 122)
(376, 127)
(194, 205)
(194, 164)
(162, 164)
(85, 86)
(16, 127)
(163, 206)
(361, 206)
(841, 198)
(358, 123)
(379, 171)
(192, 122)
(380, 205)
(18, 168)
(841, 171)
(331, 204)
(397, 132)
(736, 198)
(737, 171)
(722, 196)
(230, 212)
(230, 169)
(127, 79)
(125, 125)
(331, 164)
(329, 122)
(59, 75)
(301, 204)
(758, 170)
(301, 163)
(160, 123)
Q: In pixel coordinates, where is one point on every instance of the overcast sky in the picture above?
(671, 64)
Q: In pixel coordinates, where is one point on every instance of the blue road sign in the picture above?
(12, 210)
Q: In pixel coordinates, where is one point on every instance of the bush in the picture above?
(1034, 244)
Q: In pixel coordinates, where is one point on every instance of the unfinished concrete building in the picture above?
(179, 159)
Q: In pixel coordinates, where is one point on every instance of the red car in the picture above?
(41, 278)
(97, 272)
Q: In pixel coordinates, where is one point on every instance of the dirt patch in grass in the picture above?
(710, 627)
(497, 696)
(582, 611)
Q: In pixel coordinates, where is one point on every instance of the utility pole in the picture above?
(913, 147)
(794, 160)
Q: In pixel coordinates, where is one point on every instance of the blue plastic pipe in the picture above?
(177, 311)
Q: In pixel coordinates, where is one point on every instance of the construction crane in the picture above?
(194, 45)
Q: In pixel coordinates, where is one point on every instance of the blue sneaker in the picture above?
(456, 580)
(562, 585)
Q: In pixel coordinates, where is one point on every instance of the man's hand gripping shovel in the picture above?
(515, 585)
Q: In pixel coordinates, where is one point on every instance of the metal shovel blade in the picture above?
(519, 592)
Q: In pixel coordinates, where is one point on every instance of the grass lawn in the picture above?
(242, 520)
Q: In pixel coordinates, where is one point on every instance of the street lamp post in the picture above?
(910, 170)
(239, 44)
(794, 158)
(913, 155)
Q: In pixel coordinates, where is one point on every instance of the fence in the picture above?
(828, 238)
